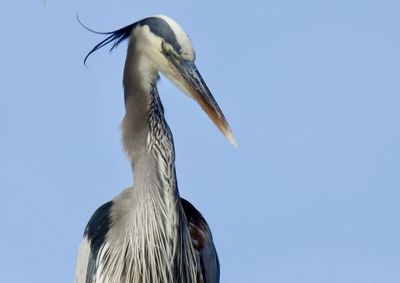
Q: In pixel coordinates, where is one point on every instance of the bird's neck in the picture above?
(154, 201)
(146, 136)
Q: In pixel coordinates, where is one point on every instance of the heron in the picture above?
(148, 233)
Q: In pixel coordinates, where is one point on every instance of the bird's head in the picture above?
(170, 52)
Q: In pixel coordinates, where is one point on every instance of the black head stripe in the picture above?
(157, 26)
(162, 29)
(116, 37)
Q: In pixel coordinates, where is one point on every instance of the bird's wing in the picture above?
(93, 239)
(202, 242)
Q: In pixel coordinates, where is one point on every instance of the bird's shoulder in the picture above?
(93, 239)
(99, 224)
(203, 242)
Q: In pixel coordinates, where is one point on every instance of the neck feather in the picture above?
(146, 136)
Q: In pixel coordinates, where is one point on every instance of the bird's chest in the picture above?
(143, 244)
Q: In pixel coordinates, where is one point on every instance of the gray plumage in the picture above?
(148, 233)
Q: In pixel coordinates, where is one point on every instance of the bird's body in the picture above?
(148, 233)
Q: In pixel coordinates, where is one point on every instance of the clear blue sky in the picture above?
(310, 88)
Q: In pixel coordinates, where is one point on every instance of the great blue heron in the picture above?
(148, 233)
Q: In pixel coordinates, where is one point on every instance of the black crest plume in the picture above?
(116, 37)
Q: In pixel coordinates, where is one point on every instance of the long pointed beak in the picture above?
(196, 88)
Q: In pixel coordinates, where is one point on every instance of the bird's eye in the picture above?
(166, 47)
(169, 51)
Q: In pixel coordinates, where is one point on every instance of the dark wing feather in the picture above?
(202, 242)
(95, 235)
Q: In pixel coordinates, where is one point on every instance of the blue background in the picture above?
(310, 88)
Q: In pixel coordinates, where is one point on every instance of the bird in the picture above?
(149, 233)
